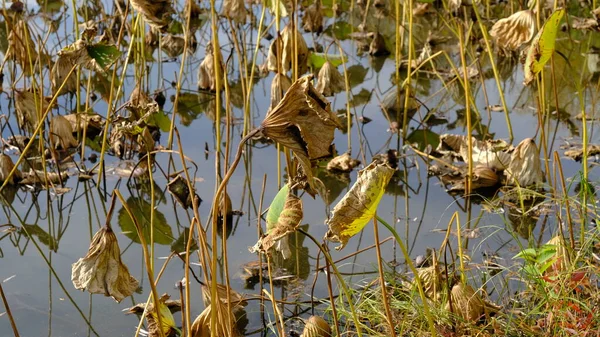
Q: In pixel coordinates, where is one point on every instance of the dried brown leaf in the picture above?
(525, 166)
(26, 107)
(235, 10)
(61, 68)
(512, 32)
(312, 21)
(316, 326)
(330, 81)
(156, 12)
(61, 133)
(6, 166)
(285, 44)
(342, 163)
(466, 303)
(577, 152)
(280, 85)
(303, 122)
(101, 270)
(206, 71)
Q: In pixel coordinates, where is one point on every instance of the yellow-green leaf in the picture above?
(358, 206)
(542, 47)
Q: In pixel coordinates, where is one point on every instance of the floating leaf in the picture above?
(303, 122)
(341, 30)
(359, 205)
(542, 46)
(141, 210)
(101, 270)
(423, 138)
(318, 60)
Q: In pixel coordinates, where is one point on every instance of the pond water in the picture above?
(36, 272)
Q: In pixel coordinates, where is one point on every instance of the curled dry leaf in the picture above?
(237, 300)
(21, 46)
(312, 21)
(330, 81)
(6, 166)
(303, 122)
(80, 54)
(235, 10)
(280, 85)
(280, 223)
(92, 121)
(206, 71)
(60, 70)
(285, 44)
(577, 152)
(156, 12)
(342, 163)
(525, 166)
(316, 326)
(359, 205)
(542, 46)
(167, 322)
(43, 178)
(101, 270)
(466, 303)
(432, 280)
(495, 154)
(560, 260)
(26, 107)
(225, 324)
(61, 133)
(173, 45)
(512, 32)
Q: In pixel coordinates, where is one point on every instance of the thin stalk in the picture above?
(384, 295)
(8, 312)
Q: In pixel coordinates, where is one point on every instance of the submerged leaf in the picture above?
(303, 122)
(101, 270)
(359, 205)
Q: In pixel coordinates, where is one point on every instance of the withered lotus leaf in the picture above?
(495, 154)
(316, 327)
(101, 270)
(61, 133)
(280, 85)
(6, 166)
(156, 12)
(525, 166)
(358, 206)
(303, 122)
(330, 81)
(288, 222)
(432, 280)
(235, 10)
(342, 163)
(288, 48)
(312, 21)
(22, 47)
(236, 299)
(466, 303)
(225, 325)
(58, 74)
(206, 72)
(29, 106)
(512, 32)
